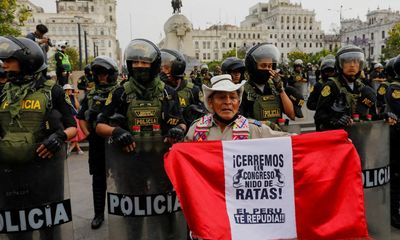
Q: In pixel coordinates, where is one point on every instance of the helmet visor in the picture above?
(266, 54)
(351, 58)
(142, 51)
(167, 59)
(8, 48)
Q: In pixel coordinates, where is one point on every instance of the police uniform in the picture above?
(92, 106)
(33, 111)
(262, 105)
(337, 99)
(205, 129)
(62, 65)
(392, 98)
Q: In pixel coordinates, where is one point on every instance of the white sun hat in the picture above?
(68, 87)
(221, 83)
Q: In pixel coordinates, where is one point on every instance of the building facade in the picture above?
(286, 25)
(370, 35)
(95, 18)
(212, 43)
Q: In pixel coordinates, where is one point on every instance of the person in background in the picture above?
(72, 99)
(39, 37)
(3, 78)
(63, 65)
(235, 67)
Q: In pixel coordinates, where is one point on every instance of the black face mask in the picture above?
(164, 77)
(260, 76)
(16, 78)
(141, 74)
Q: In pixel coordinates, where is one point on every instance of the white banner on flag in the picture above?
(259, 188)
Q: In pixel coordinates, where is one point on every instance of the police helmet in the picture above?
(298, 62)
(175, 61)
(232, 63)
(396, 66)
(204, 66)
(146, 51)
(378, 65)
(349, 53)
(389, 69)
(328, 62)
(61, 44)
(103, 63)
(261, 52)
(29, 55)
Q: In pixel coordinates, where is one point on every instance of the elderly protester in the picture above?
(222, 100)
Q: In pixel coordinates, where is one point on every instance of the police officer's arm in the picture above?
(314, 95)
(61, 135)
(287, 104)
(105, 130)
(173, 123)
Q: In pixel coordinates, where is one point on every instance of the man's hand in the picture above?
(391, 118)
(52, 144)
(175, 134)
(276, 79)
(344, 121)
(124, 139)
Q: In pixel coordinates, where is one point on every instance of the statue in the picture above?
(176, 5)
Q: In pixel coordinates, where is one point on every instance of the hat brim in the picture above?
(225, 86)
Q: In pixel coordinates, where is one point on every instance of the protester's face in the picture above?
(236, 74)
(351, 67)
(225, 104)
(11, 65)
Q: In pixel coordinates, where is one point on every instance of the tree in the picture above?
(392, 48)
(241, 53)
(73, 57)
(10, 18)
(212, 65)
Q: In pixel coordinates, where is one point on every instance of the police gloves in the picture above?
(54, 142)
(278, 83)
(344, 121)
(177, 133)
(122, 137)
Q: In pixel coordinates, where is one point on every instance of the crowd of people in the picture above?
(153, 95)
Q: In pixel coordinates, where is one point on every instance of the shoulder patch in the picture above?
(311, 89)
(382, 90)
(396, 94)
(109, 98)
(326, 91)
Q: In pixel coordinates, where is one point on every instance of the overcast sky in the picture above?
(148, 16)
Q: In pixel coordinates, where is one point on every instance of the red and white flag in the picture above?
(306, 187)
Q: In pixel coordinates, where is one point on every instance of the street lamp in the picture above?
(79, 41)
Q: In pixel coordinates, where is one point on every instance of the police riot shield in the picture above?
(141, 201)
(34, 199)
(371, 140)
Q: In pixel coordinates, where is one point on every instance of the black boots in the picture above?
(97, 221)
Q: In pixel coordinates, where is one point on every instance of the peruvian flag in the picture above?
(306, 187)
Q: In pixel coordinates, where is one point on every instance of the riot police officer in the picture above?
(298, 79)
(105, 74)
(63, 65)
(264, 97)
(327, 70)
(381, 91)
(345, 98)
(86, 82)
(35, 121)
(204, 77)
(137, 116)
(173, 67)
(235, 67)
(392, 97)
